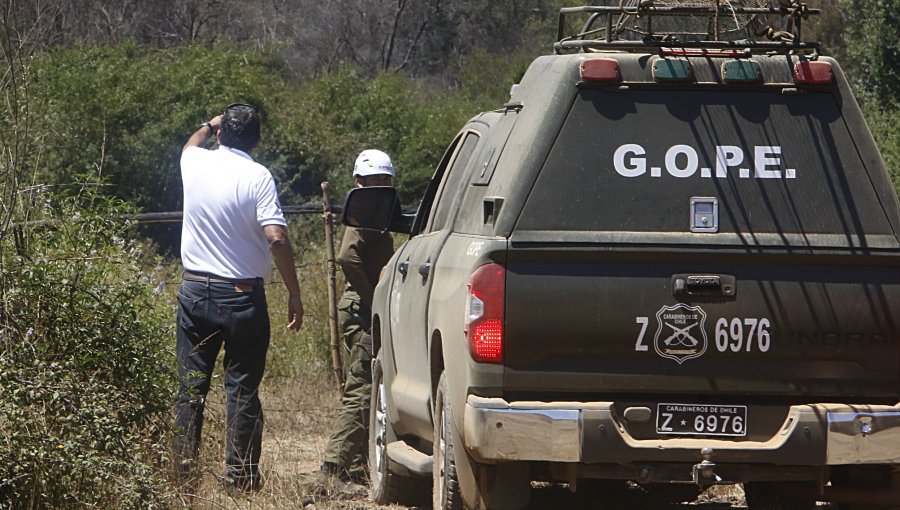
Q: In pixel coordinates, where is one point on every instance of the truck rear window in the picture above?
(783, 170)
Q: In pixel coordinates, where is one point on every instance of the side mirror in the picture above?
(376, 208)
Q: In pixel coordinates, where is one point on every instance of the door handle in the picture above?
(403, 267)
(424, 269)
(709, 285)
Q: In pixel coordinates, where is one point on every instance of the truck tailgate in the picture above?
(615, 323)
(735, 244)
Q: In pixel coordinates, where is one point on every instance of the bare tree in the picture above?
(420, 37)
(18, 40)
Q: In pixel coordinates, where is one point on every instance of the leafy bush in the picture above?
(885, 125)
(328, 120)
(85, 373)
(871, 39)
(871, 34)
(126, 111)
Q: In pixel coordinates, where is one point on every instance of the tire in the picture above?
(445, 492)
(387, 484)
(875, 477)
(767, 496)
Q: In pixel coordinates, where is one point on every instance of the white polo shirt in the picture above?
(228, 199)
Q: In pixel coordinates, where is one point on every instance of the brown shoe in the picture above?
(329, 484)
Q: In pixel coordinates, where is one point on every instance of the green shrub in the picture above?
(871, 35)
(126, 111)
(328, 120)
(885, 125)
(85, 371)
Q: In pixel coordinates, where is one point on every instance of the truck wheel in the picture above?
(388, 486)
(861, 477)
(446, 494)
(766, 496)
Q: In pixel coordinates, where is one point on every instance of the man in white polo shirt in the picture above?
(232, 222)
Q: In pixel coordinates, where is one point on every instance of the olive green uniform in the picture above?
(362, 256)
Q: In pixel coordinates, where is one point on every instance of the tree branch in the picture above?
(387, 54)
(438, 4)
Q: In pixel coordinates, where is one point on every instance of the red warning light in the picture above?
(813, 72)
(599, 69)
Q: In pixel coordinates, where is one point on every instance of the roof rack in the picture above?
(646, 24)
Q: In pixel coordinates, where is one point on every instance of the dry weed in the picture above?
(298, 413)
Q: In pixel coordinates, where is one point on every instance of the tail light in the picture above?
(484, 313)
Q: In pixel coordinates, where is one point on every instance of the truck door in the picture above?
(412, 284)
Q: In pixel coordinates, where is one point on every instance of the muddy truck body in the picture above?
(675, 267)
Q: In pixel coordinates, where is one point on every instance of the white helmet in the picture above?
(373, 162)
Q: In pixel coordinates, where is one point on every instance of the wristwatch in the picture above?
(210, 126)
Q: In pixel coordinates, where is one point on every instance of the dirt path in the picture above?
(298, 415)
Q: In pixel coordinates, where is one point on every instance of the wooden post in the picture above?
(331, 269)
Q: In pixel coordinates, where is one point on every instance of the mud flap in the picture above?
(502, 486)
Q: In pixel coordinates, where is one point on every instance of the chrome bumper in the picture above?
(817, 434)
(864, 436)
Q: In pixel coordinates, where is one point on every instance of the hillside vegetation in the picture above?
(99, 96)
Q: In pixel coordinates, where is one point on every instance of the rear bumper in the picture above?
(588, 432)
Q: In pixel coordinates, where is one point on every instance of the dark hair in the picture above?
(240, 127)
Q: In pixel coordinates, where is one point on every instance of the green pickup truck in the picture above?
(665, 264)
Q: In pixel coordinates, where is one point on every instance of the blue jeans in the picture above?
(211, 315)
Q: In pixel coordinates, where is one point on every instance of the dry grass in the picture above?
(298, 415)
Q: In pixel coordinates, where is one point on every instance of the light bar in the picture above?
(703, 52)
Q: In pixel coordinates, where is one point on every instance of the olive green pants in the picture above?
(348, 446)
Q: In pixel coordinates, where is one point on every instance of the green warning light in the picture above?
(671, 69)
(741, 71)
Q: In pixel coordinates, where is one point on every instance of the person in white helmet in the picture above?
(362, 256)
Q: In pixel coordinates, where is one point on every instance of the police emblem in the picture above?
(681, 334)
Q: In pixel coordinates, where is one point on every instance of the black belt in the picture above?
(208, 278)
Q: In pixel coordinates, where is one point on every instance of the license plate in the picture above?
(701, 420)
